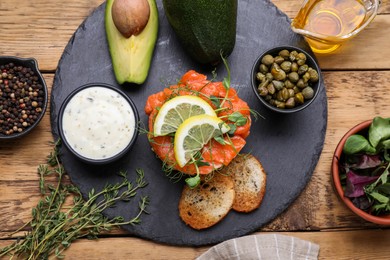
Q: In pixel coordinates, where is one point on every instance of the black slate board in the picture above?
(289, 146)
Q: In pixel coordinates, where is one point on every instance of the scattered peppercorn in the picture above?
(22, 97)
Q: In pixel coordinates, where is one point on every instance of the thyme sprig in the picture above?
(54, 225)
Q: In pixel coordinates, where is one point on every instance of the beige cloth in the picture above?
(263, 246)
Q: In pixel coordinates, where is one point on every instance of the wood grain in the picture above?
(352, 97)
(42, 28)
(357, 80)
(333, 245)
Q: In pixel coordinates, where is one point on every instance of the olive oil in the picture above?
(331, 19)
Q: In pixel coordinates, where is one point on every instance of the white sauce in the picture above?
(98, 123)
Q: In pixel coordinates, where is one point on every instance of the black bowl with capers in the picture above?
(286, 79)
(23, 96)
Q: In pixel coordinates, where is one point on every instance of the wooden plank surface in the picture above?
(42, 28)
(350, 101)
(333, 245)
(357, 81)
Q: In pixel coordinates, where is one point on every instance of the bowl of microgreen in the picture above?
(360, 170)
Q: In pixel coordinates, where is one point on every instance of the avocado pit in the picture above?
(130, 16)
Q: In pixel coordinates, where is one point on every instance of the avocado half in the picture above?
(131, 57)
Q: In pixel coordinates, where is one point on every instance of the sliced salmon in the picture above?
(214, 153)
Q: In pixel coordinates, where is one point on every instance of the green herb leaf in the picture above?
(192, 182)
(215, 101)
(379, 197)
(384, 188)
(220, 140)
(386, 144)
(238, 118)
(226, 81)
(379, 130)
(358, 143)
(54, 226)
(233, 129)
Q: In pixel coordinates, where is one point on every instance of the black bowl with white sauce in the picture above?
(98, 123)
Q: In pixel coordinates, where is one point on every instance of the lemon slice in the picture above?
(194, 133)
(175, 111)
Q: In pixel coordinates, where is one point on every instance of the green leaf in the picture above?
(192, 182)
(386, 144)
(232, 130)
(379, 197)
(370, 188)
(220, 140)
(226, 81)
(357, 143)
(215, 101)
(238, 118)
(384, 188)
(384, 176)
(379, 130)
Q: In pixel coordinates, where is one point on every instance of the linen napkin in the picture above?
(263, 246)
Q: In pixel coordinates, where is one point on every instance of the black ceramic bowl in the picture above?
(310, 61)
(98, 124)
(15, 102)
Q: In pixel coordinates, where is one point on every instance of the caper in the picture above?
(286, 66)
(293, 55)
(308, 92)
(269, 76)
(288, 84)
(280, 104)
(284, 53)
(278, 60)
(285, 94)
(293, 77)
(301, 58)
(291, 92)
(306, 77)
(279, 96)
(285, 79)
(267, 60)
(301, 84)
(290, 103)
(263, 69)
(271, 88)
(260, 76)
(264, 83)
(302, 69)
(299, 98)
(313, 75)
(278, 84)
(277, 72)
(294, 66)
(263, 91)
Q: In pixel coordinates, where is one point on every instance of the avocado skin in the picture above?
(205, 28)
(131, 57)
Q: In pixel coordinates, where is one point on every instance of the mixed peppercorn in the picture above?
(22, 98)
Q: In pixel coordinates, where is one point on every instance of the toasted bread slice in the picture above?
(249, 182)
(207, 204)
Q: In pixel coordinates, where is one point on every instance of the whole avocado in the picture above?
(205, 28)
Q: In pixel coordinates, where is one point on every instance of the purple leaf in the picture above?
(367, 161)
(355, 184)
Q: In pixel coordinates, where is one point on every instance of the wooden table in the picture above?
(357, 79)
